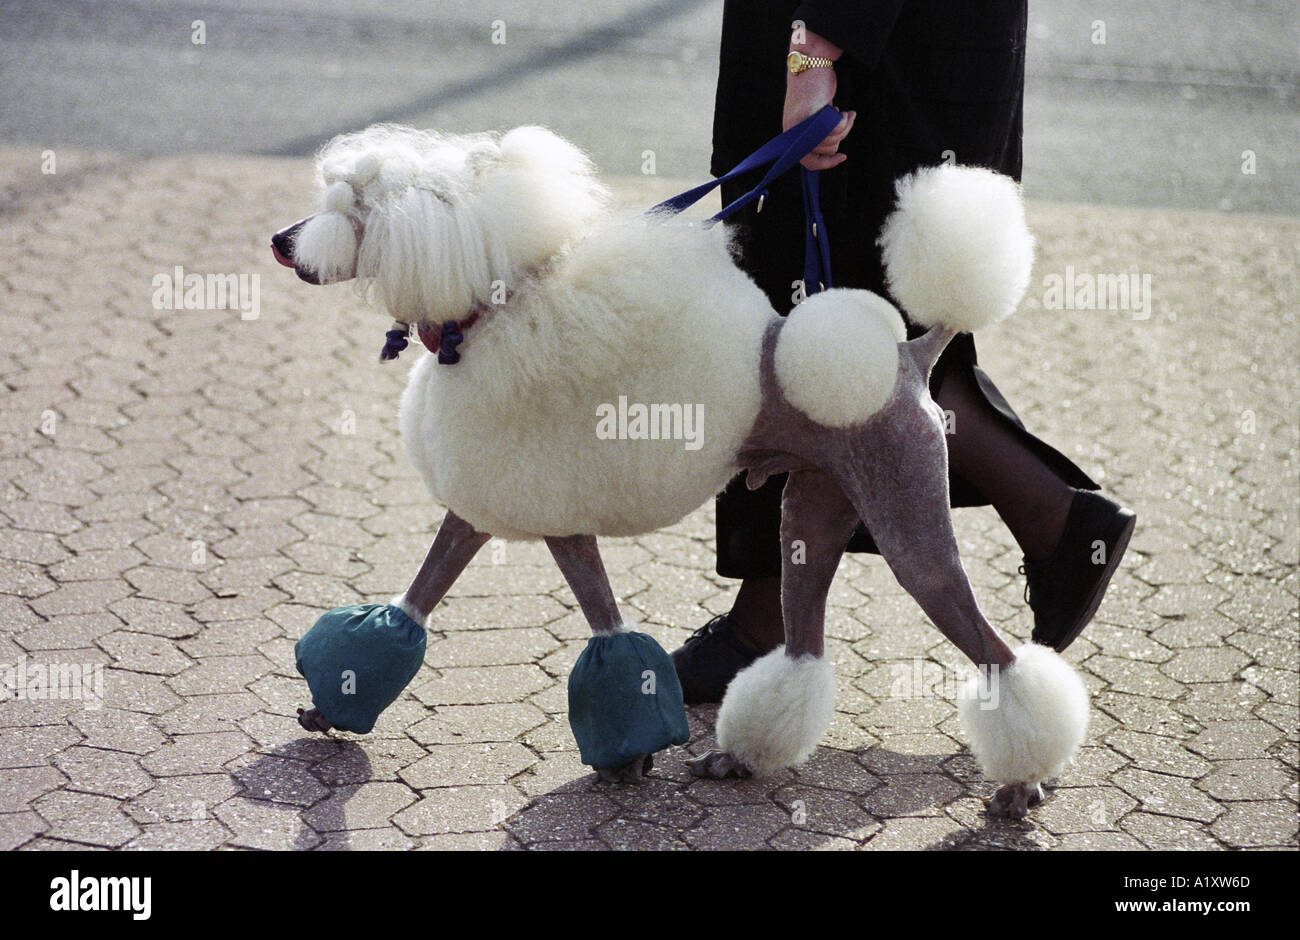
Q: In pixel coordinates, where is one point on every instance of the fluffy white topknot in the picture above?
(957, 250)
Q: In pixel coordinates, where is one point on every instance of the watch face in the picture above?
(792, 61)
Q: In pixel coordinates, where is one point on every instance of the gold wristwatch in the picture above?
(797, 62)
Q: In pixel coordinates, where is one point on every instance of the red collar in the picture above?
(431, 333)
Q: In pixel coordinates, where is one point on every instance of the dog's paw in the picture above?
(718, 764)
(631, 772)
(312, 720)
(1013, 800)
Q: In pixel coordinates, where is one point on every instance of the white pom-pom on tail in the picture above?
(956, 249)
(1025, 723)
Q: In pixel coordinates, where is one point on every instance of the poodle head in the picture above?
(432, 225)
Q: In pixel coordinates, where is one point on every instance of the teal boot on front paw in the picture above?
(356, 661)
(625, 703)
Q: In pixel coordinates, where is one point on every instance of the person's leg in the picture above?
(756, 613)
(1030, 497)
(1072, 537)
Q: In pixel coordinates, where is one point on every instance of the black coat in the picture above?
(931, 81)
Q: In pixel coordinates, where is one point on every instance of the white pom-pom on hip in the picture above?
(957, 250)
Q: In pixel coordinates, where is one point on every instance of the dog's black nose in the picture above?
(282, 246)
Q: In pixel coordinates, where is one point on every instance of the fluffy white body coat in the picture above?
(651, 312)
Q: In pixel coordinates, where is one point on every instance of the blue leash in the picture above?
(783, 152)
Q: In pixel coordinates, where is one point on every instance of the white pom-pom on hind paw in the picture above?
(957, 251)
(776, 710)
(1025, 723)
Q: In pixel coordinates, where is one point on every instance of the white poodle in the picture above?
(604, 373)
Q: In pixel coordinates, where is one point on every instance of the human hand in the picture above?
(809, 92)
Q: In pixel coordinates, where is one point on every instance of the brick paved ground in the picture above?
(183, 492)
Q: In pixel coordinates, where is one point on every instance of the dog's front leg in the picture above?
(453, 547)
(357, 659)
(625, 702)
(777, 709)
(579, 561)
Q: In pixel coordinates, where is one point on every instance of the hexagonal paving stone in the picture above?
(1166, 795)
(33, 747)
(1263, 823)
(829, 813)
(1205, 665)
(1082, 809)
(201, 835)
(204, 713)
(196, 753)
(1247, 780)
(16, 829)
(460, 809)
(909, 754)
(800, 840)
(24, 784)
(470, 724)
(257, 824)
(479, 685)
(1158, 753)
(277, 779)
(140, 652)
(738, 827)
(912, 795)
(498, 841)
(910, 834)
(214, 675)
(386, 839)
(363, 806)
(468, 765)
(1168, 833)
(634, 835)
(1135, 678)
(86, 818)
(1234, 739)
(108, 773)
(159, 618)
(68, 631)
(376, 759)
(490, 648)
(181, 799)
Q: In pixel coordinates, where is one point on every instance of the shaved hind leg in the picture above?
(817, 520)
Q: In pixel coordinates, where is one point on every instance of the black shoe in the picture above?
(1065, 589)
(709, 659)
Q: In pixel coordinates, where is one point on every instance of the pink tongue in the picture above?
(281, 258)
